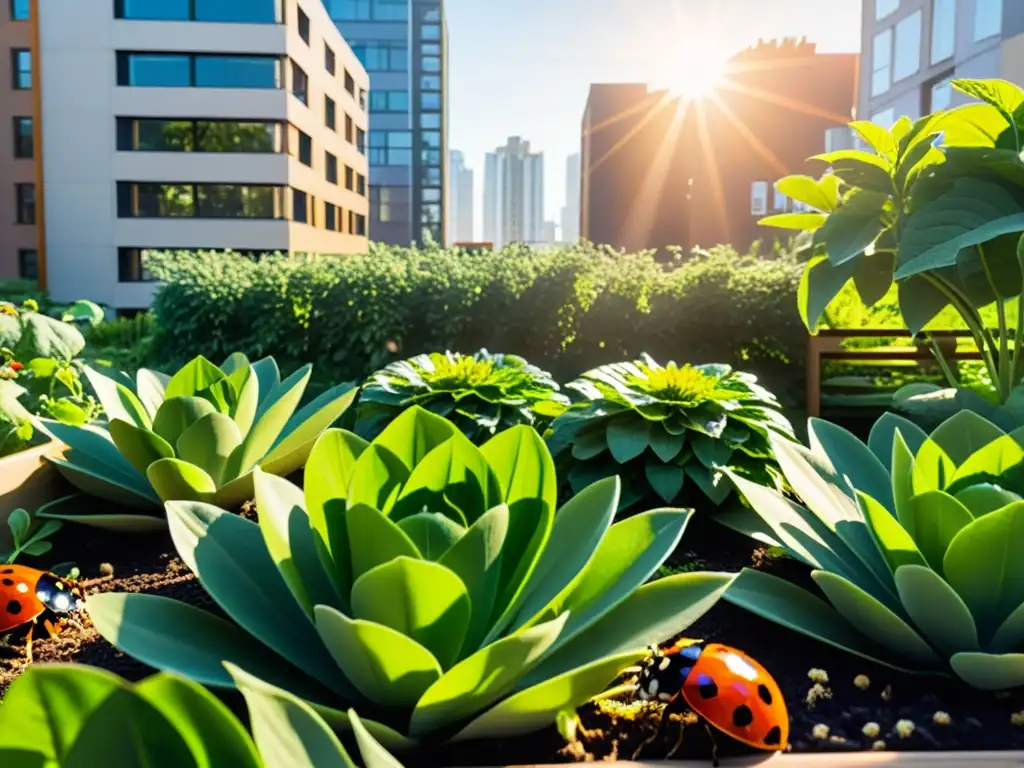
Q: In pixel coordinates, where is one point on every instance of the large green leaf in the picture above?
(849, 457)
(896, 545)
(151, 387)
(666, 479)
(480, 680)
(537, 707)
(854, 226)
(984, 498)
(432, 533)
(920, 302)
(414, 434)
(883, 436)
(388, 667)
(140, 446)
(989, 671)
(177, 480)
(373, 752)
(208, 444)
(213, 734)
(92, 483)
(984, 566)
(654, 613)
(665, 445)
(628, 436)
(44, 336)
(178, 414)
(377, 478)
(289, 540)
(862, 610)
(993, 459)
(420, 599)
(231, 561)
(936, 610)
(375, 539)
(804, 222)
(192, 378)
(937, 519)
(118, 401)
(861, 170)
(296, 440)
(820, 194)
(286, 729)
(328, 474)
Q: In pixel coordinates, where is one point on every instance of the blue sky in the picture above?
(524, 67)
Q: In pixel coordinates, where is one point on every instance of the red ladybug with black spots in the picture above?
(29, 597)
(723, 686)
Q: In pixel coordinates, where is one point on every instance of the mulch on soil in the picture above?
(977, 721)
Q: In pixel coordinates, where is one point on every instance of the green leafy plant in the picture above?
(481, 394)
(937, 206)
(196, 435)
(16, 430)
(663, 427)
(422, 579)
(914, 539)
(71, 716)
(28, 536)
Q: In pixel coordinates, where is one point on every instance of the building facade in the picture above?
(19, 236)
(460, 199)
(191, 125)
(571, 209)
(659, 171)
(403, 44)
(514, 194)
(914, 48)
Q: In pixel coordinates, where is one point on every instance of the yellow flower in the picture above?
(818, 675)
(904, 728)
(870, 730)
(941, 718)
(686, 384)
(6, 308)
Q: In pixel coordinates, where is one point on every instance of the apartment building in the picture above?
(514, 194)
(659, 170)
(913, 48)
(186, 125)
(404, 46)
(460, 199)
(19, 242)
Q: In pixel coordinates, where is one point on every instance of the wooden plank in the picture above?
(845, 760)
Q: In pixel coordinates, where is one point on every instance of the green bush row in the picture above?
(568, 309)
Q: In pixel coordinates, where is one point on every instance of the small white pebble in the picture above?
(820, 732)
(878, 745)
(664, 663)
(941, 718)
(862, 682)
(818, 675)
(644, 695)
(652, 687)
(904, 728)
(870, 730)
(664, 696)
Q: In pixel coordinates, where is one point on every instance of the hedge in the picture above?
(566, 310)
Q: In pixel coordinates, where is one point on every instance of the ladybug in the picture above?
(28, 596)
(723, 686)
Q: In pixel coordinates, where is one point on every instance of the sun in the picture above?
(697, 71)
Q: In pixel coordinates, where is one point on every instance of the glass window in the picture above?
(430, 156)
(431, 139)
(350, 179)
(305, 149)
(360, 184)
(238, 201)
(431, 195)
(432, 14)
(389, 101)
(943, 30)
(430, 100)
(155, 135)
(254, 11)
(330, 113)
(25, 200)
(885, 118)
(154, 69)
(885, 8)
(907, 58)
(430, 213)
(430, 83)
(881, 63)
(24, 141)
(988, 18)
(430, 32)
(430, 120)
(361, 140)
(431, 64)
(330, 217)
(300, 84)
(330, 61)
(350, 83)
(430, 49)
(940, 96)
(779, 201)
(391, 10)
(21, 69)
(303, 26)
(386, 56)
(155, 10)
(360, 225)
(155, 200)
(131, 266)
(28, 264)
(19, 10)
(431, 175)
(759, 198)
(350, 129)
(300, 205)
(332, 167)
(237, 71)
(348, 10)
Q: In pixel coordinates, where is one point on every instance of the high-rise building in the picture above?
(913, 49)
(403, 45)
(460, 199)
(571, 209)
(660, 171)
(186, 126)
(514, 194)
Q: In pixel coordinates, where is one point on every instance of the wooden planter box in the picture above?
(27, 481)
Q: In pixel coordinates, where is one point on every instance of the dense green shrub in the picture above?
(568, 310)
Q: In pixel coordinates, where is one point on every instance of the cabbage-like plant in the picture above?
(197, 435)
(165, 720)
(481, 393)
(662, 428)
(914, 539)
(425, 581)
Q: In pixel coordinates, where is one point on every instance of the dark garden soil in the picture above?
(976, 721)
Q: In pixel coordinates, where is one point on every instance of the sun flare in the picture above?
(697, 71)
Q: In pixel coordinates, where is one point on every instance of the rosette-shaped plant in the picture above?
(425, 581)
(914, 539)
(481, 394)
(664, 428)
(197, 435)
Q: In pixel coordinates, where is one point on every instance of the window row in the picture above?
(368, 10)
(780, 203)
(383, 56)
(230, 11)
(198, 70)
(896, 51)
(21, 69)
(158, 135)
(132, 268)
(20, 10)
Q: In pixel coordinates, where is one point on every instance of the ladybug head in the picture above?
(58, 595)
(664, 672)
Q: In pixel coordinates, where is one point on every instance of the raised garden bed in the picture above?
(28, 481)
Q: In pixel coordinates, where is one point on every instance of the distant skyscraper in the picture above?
(571, 211)
(550, 233)
(514, 194)
(460, 199)
(403, 45)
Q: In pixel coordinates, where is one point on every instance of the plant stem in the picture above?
(1018, 350)
(972, 319)
(1004, 363)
